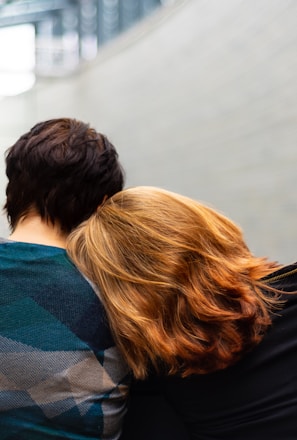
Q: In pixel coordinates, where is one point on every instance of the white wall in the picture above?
(200, 99)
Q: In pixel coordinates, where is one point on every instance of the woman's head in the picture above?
(177, 279)
(61, 170)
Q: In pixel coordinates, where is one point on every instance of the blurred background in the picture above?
(198, 96)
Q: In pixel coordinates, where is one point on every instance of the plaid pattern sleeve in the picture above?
(61, 377)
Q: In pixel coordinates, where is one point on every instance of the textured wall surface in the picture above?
(201, 99)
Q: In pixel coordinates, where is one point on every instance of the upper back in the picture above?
(257, 397)
(60, 371)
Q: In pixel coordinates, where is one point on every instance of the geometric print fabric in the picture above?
(60, 374)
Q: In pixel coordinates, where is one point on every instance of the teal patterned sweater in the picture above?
(61, 376)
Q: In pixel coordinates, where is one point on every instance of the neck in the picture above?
(32, 229)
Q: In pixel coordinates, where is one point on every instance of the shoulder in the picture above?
(284, 279)
(44, 277)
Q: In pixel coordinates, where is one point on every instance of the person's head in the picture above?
(61, 170)
(179, 283)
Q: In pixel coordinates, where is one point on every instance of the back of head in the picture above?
(62, 169)
(173, 274)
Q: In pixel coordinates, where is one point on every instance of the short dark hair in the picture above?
(62, 169)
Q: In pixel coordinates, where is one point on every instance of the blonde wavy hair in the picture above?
(182, 291)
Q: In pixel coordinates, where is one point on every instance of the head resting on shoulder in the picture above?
(61, 170)
(180, 286)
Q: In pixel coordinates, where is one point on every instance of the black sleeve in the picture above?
(150, 416)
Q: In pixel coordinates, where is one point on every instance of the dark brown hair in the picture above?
(61, 169)
(179, 284)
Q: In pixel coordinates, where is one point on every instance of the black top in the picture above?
(256, 399)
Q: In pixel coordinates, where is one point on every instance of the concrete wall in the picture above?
(201, 99)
